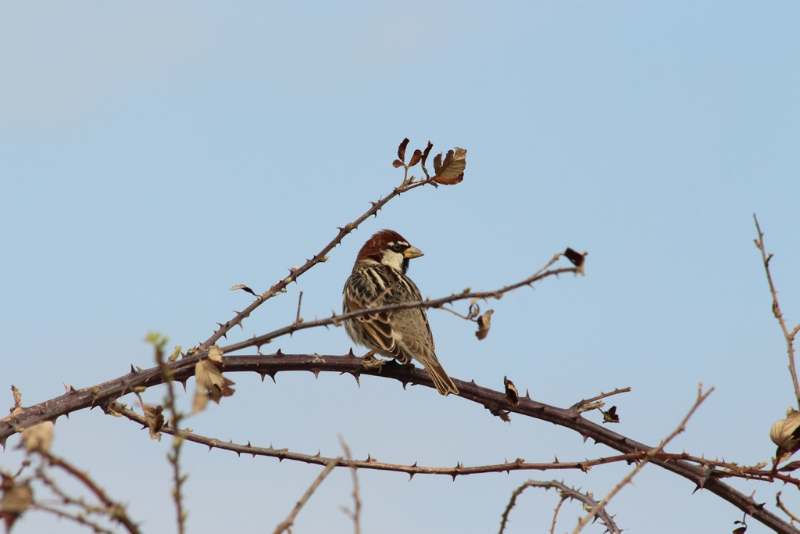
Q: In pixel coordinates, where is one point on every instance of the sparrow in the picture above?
(378, 279)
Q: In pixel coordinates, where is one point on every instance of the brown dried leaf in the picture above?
(425, 156)
(155, 420)
(791, 466)
(38, 438)
(577, 258)
(610, 415)
(15, 500)
(511, 391)
(415, 158)
(484, 324)
(740, 530)
(786, 435)
(244, 288)
(397, 163)
(451, 170)
(401, 150)
(210, 383)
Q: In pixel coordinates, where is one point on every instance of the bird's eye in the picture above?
(397, 247)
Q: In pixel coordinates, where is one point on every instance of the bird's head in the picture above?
(388, 248)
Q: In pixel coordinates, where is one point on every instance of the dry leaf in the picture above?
(610, 416)
(425, 156)
(484, 324)
(397, 163)
(15, 501)
(244, 288)
(210, 382)
(401, 150)
(38, 438)
(511, 391)
(215, 354)
(451, 170)
(415, 158)
(155, 420)
(786, 435)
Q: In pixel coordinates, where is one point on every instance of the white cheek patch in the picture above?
(393, 259)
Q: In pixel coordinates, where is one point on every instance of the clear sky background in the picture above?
(152, 155)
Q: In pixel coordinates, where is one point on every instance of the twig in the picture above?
(355, 514)
(78, 518)
(460, 470)
(780, 505)
(336, 319)
(580, 404)
(289, 521)
(565, 493)
(115, 510)
(555, 514)
(649, 456)
(175, 455)
(298, 320)
(776, 310)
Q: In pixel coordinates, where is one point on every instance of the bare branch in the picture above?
(649, 456)
(565, 493)
(115, 510)
(336, 320)
(617, 391)
(355, 513)
(776, 310)
(289, 521)
(780, 505)
(78, 518)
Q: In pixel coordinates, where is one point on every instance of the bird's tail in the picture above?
(444, 384)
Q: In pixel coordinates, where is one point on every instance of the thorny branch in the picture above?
(647, 458)
(337, 319)
(565, 493)
(776, 310)
(703, 475)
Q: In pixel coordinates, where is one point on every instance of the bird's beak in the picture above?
(412, 252)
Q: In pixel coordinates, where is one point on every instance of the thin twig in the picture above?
(299, 302)
(649, 456)
(602, 395)
(115, 510)
(337, 319)
(776, 310)
(565, 493)
(289, 521)
(355, 513)
(78, 518)
(555, 514)
(780, 505)
(175, 455)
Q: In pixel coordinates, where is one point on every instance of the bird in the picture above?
(379, 279)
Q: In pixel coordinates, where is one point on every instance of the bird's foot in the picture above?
(369, 361)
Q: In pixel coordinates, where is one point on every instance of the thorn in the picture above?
(316, 373)
(369, 458)
(133, 371)
(527, 395)
(358, 381)
(262, 375)
(410, 475)
(585, 437)
(183, 383)
(278, 354)
(350, 354)
(405, 384)
(319, 453)
(415, 464)
(272, 376)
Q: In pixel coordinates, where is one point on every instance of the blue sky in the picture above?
(152, 155)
